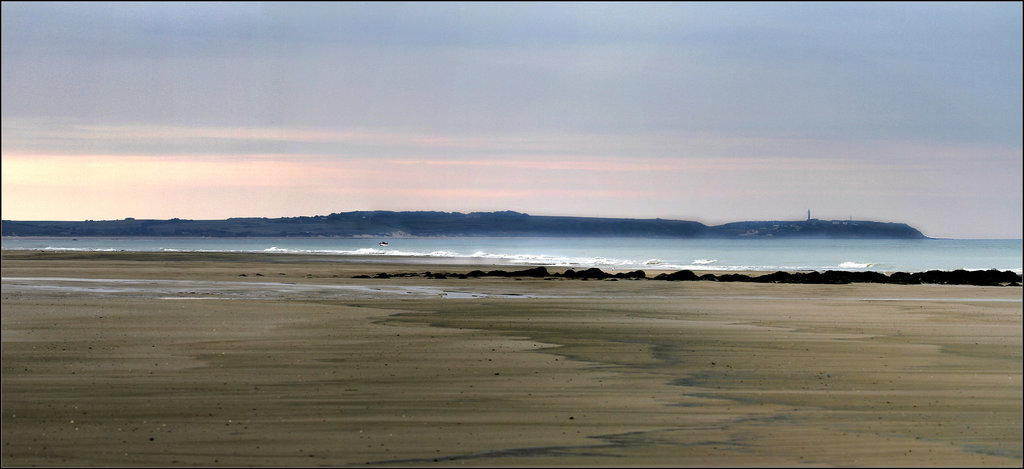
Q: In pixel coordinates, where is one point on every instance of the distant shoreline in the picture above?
(457, 268)
(386, 224)
(389, 237)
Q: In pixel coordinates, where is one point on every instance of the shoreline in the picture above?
(884, 257)
(297, 363)
(412, 266)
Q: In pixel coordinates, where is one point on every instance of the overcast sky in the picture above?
(713, 112)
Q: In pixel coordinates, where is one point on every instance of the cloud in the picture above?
(897, 72)
(133, 174)
(894, 109)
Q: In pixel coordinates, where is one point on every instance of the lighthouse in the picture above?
(808, 214)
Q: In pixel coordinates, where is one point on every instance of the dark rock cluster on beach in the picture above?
(991, 277)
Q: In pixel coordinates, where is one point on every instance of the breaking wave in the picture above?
(854, 265)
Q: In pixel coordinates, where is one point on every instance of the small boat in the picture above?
(382, 243)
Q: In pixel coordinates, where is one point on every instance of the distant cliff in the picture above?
(398, 224)
(814, 228)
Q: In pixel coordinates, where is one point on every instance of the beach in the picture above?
(232, 359)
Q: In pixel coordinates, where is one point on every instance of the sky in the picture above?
(712, 112)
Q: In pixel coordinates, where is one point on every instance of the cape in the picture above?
(422, 224)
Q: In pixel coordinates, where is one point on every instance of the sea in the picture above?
(889, 255)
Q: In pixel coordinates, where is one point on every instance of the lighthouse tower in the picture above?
(808, 214)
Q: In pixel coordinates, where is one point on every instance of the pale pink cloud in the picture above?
(138, 172)
(652, 151)
(668, 175)
(30, 130)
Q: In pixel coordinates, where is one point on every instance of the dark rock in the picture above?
(734, 278)
(594, 273)
(834, 277)
(871, 277)
(685, 275)
(931, 276)
(805, 277)
(537, 272)
(636, 274)
(991, 277)
(994, 277)
(904, 278)
(534, 272)
(776, 277)
(591, 273)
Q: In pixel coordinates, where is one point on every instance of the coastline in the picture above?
(288, 360)
(464, 267)
(722, 256)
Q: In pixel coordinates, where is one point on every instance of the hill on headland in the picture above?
(508, 223)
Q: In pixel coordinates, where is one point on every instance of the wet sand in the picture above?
(122, 359)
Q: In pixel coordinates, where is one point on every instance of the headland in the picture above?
(508, 223)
